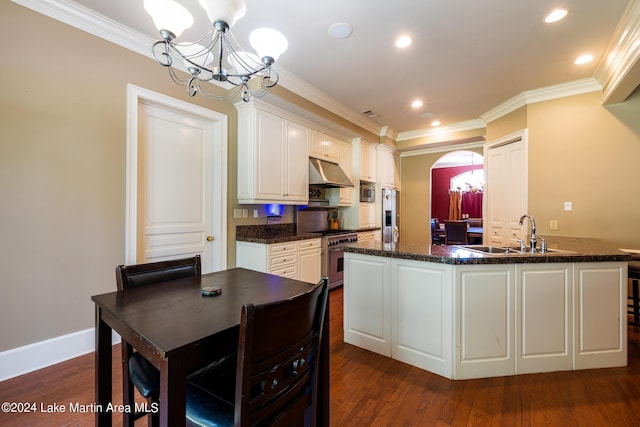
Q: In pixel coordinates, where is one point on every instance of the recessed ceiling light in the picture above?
(556, 15)
(584, 59)
(340, 30)
(416, 104)
(435, 123)
(403, 41)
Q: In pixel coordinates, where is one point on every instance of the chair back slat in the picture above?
(129, 276)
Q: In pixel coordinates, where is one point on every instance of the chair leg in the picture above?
(153, 418)
(127, 386)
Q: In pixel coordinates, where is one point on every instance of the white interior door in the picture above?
(180, 182)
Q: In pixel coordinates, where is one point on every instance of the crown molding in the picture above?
(441, 148)
(547, 93)
(80, 17)
(455, 127)
(619, 73)
(295, 84)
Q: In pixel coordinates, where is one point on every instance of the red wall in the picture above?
(440, 180)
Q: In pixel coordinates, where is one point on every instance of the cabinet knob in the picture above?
(209, 238)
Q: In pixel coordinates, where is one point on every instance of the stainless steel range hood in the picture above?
(327, 174)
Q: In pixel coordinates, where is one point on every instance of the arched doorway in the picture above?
(461, 171)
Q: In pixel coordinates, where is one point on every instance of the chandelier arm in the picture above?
(161, 53)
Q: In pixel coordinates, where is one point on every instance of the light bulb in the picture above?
(169, 15)
(268, 42)
(228, 11)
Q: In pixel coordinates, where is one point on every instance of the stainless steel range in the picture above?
(316, 221)
(333, 255)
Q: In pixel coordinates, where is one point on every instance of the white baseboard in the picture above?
(22, 360)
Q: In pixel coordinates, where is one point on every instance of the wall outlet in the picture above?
(568, 206)
(245, 213)
(553, 224)
(256, 214)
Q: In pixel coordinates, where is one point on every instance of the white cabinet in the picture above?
(272, 158)
(367, 215)
(389, 167)
(506, 192)
(296, 260)
(368, 162)
(324, 147)
(367, 303)
(367, 236)
(600, 318)
(346, 163)
(309, 260)
(544, 303)
(485, 314)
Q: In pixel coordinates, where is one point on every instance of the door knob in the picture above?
(209, 238)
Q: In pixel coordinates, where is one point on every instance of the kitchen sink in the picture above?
(515, 250)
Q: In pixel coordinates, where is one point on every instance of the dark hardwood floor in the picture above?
(372, 390)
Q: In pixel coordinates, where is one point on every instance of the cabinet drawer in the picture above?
(308, 244)
(277, 261)
(282, 248)
(289, 271)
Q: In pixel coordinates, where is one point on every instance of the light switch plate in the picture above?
(553, 224)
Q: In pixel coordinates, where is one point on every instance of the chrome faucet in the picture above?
(532, 240)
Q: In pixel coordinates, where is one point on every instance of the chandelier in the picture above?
(217, 56)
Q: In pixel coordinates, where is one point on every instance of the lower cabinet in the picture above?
(475, 321)
(296, 260)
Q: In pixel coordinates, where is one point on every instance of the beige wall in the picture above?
(62, 171)
(587, 154)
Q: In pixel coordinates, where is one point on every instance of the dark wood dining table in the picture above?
(474, 234)
(179, 330)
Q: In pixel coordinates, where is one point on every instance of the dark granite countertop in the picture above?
(270, 234)
(570, 249)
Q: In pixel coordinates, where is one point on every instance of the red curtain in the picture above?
(472, 204)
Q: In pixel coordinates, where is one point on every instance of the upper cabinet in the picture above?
(368, 162)
(324, 147)
(273, 157)
(389, 167)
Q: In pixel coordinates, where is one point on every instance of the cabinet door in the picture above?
(367, 303)
(309, 268)
(368, 162)
(324, 147)
(422, 309)
(346, 160)
(367, 215)
(485, 333)
(545, 317)
(270, 160)
(296, 182)
(600, 315)
(506, 193)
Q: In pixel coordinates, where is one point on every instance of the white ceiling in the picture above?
(468, 56)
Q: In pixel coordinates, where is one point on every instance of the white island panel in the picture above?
(601, 327)
(367, 303)
(422, 295)
(486, 312)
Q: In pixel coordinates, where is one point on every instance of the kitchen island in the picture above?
(463, 313)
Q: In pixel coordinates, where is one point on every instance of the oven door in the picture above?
(336, 267)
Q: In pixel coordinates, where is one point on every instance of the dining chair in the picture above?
(436, 237)
(136, 370)
(455, 233)
(274, 379)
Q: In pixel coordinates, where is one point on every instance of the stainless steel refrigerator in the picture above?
(390, 215)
